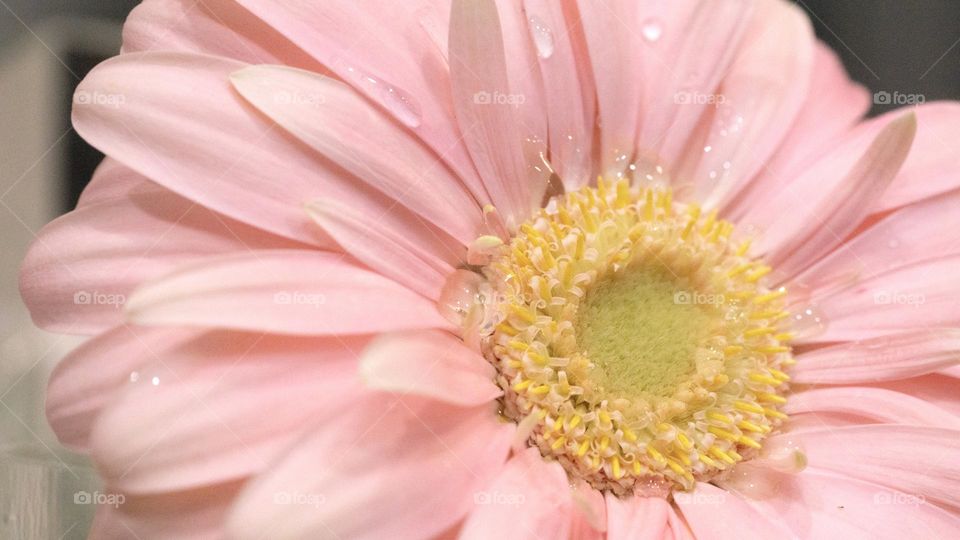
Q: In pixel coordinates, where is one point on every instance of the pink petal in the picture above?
(916, 297)
(110, 180)
(788, 238)
(568, 94)
(388, 51)
(588, 520)
(714, 514)
(189, 515)
(913, 459)
(762, 94)
(614, 48)
(936, 388)
(183, 126)
(817, 505)
(908, 236)
(931, 168)
(84, 266)
(686, 64)
(418, 464)
(325, 113)
(875, 404)
(195, 416)
(214, 27)
(640, 518)
(91, 376)
(400, 246)
(833, 105)
(285, 292)
(897, 356)
(529, 499)
(479, 79)
(429, 363)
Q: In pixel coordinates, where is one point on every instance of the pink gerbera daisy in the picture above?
(493, 269)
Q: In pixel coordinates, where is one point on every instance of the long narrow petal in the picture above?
(93, 373)
(84, 266)
(912, 459)
(400, 66)
(325, 113)
(890, 244)
(912, 298)
(430, 363)
(836, 507)
(833, 106)
(759, 98)
(420, 465)
(197, 137)
(715, 514)
(897, 356)
(215, 27)
(195, 415)
(286, 292)
(798, 234)
(876, 404)
(483, 103)
(642, 518)
(523, 502)
(400, 246)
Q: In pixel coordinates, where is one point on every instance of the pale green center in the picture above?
(641, 330)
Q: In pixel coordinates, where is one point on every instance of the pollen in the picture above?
(638, 337)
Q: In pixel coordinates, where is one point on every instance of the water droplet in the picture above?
(134, 376)
(651, 30)
(707, 148)
(155, 381)
(542, 37)
(807, 322)
(399, 103)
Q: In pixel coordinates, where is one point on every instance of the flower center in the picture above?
(635, 341)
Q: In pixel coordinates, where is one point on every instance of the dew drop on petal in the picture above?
(398, 102)
(542, 37)
(807, 322)
(651, 30)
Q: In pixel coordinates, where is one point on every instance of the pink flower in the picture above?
(350, 273)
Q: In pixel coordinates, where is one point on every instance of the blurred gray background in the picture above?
(47, 46)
